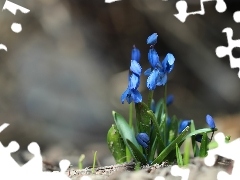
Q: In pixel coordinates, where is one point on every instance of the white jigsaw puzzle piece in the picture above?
(226, 150)
(222, 51)
(182, 6)
(182, 172)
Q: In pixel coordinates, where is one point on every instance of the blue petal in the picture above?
(168, 62)
(152, 39)
(134, 82)
(135, 67)
(135, 54)
(183, 125)
(162, 79)
(153, 57)
(152, 79)
(210, 122)
(124, 95)
(136, 96)
(148, 72)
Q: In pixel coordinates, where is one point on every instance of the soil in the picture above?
(198, 171)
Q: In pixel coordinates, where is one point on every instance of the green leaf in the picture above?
(171, 146)
(200, 131)
(204, 146)
(179, 156)
(124, 129)
(138, 155)
(143, 118)
(116, 145)
(186, 154)
(156, 129)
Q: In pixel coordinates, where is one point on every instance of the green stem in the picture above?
(128, 153)
(150, 97)
(131, 114)
(166, 115)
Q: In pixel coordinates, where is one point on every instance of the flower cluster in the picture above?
(131, 93)
(154, 135)
(157, 74)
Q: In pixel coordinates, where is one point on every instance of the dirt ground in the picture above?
(198, 171)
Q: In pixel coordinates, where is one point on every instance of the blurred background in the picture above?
(65, 72)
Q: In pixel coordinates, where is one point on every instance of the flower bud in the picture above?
(152, 40)
(210, 122)
(143, 139)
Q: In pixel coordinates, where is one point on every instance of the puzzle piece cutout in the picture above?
(222, 51)
(182, 6)
(178, 171)
(227, 150)
(33, 169)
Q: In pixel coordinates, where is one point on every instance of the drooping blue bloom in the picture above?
(210, 122)
(135, 54)
(153, 58)
(183, 125)
(168, 63)
(152, 40)
(170, 99)
(131, 94)
(157, 74)
(143, 139)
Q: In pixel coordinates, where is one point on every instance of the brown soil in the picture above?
(198, 171)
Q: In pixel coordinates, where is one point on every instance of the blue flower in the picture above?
(183, 125)
(158, 76)
(152, 40)
(170, 99)
(143, 139)
(135, 54)
(210, 122)
(131, 94)
(153, 58)
(168, 63)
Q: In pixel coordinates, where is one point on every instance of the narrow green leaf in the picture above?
(204, 146)
(179, 156)
(143, 118)
(116, 145)
(186, 154)
(156, 129)
(200, 131)
(171, 146)
(124, 129)
(138, 155)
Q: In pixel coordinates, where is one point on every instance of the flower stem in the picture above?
(166, 115)
(150, 97)
(128, 153)
(131, 114)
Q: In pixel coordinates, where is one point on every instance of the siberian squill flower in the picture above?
(131, 94)
(157, 74)
(210, 122)
(143, 139)
(135, 54)
(183, 125)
